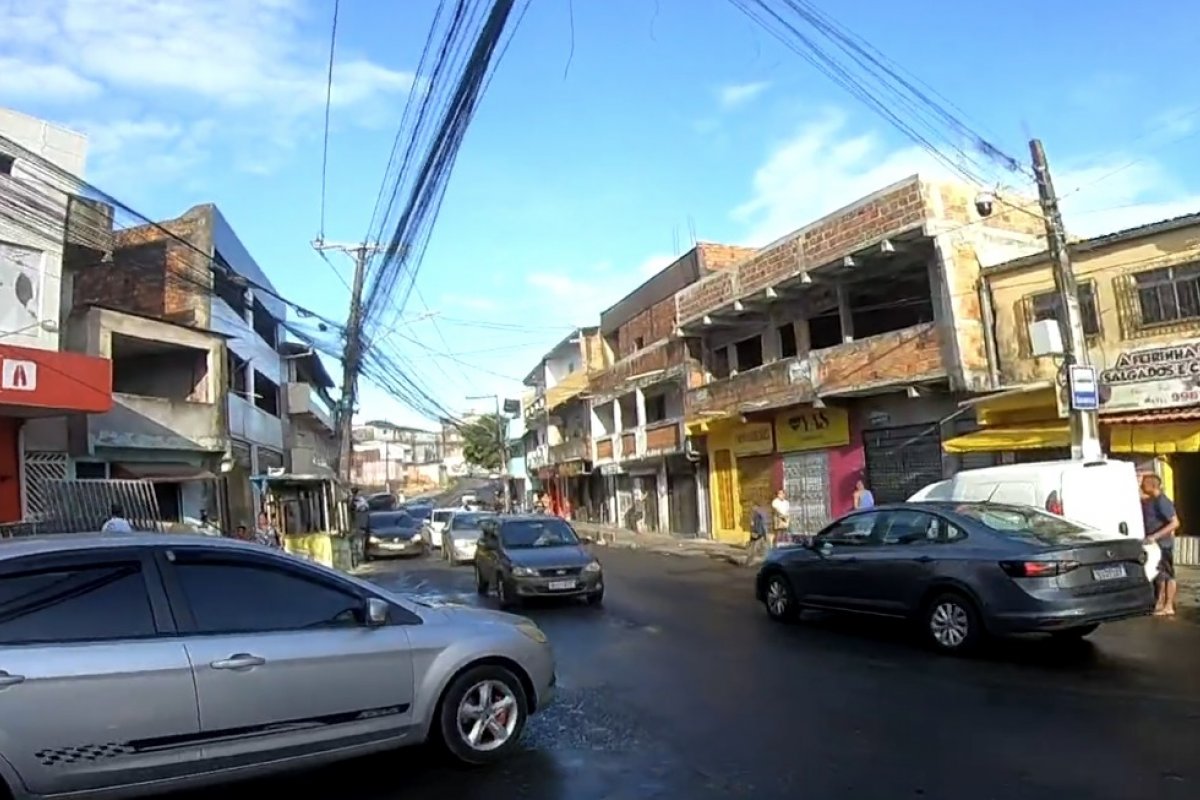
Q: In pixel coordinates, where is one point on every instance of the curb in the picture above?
(734, 559)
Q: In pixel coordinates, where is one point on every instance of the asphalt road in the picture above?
(681, 688)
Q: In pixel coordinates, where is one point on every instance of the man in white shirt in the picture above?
(781, 512)
(116, 521)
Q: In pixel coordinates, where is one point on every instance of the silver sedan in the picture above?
(139, 664)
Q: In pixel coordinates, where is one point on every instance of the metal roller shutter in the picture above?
(902, 460)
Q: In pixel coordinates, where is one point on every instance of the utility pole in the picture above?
(352, 358)
(1085, 427)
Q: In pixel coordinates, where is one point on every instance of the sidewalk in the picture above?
(610, 536)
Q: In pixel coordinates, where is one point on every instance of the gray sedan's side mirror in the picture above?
(377, 612)
(585, 540)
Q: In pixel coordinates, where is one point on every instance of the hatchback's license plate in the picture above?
(558, 586)
(1108, 573)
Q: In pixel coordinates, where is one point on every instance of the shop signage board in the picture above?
(812, 429)
(753, 439)
(1162, 376)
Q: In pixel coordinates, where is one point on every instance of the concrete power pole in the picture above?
(352, 358)
(1085, 427)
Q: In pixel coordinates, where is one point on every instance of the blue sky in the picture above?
(613, 132)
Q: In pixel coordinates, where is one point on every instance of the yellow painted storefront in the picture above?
(744, 459)
(1029, 419)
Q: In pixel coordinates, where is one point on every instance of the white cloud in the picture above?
(257, 65)
(820, 169)
(555, 284)
(20, 80)
(826, 166)
(654, 264)
(737, 94)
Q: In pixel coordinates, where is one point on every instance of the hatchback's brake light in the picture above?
(1037, 569)
(1054, 504)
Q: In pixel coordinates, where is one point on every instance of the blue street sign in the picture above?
(1085, 389)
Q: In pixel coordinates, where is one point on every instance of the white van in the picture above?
(1100, 494)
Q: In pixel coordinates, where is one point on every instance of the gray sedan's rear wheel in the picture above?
(952, 624)
(483, 714)
(779, 598)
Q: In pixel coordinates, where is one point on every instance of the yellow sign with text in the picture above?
(812, 429)
(753, 439)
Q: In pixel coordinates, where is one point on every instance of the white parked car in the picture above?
(436, 524)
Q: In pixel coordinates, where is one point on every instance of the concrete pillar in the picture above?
(803, 338)
(640, 399)
(664, 511)
(844, 318)
(771, 345)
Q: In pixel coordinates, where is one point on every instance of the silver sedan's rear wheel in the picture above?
(483, 714)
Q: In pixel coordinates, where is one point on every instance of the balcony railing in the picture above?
(606, 448)
(661, 438)
(571, 450)
(303, 400)
(896, 358)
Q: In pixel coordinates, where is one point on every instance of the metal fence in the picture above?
(81, 506)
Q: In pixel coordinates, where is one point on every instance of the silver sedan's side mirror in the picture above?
(377, 612)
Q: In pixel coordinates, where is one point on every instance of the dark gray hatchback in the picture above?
(962, 570)
(532, 556)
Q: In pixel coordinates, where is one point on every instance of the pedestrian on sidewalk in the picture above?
(265, 533)
(863, 497)
(781, 513)
(1158, 512)
(760, 533)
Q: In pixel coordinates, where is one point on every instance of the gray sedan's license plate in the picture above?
(1108, 573)
(559, 586)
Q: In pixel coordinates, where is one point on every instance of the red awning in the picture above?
(1153, 415)
(49, 382)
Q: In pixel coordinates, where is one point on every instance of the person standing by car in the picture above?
(1158, 512)
(760, 529)
(265, 533)
(863, 497)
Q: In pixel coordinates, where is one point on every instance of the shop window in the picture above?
(91, 470)
(1046, 306)
(749, 353)
(1170, 294)
(787, 340)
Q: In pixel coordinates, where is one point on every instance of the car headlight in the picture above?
(592, 567)
(524, 572)
(416, 537)
(533, 632)
(373, 539)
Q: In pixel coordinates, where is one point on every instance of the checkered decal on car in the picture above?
(61, 756)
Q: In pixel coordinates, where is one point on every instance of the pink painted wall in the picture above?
(846, 465)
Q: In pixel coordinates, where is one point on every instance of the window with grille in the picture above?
(1170, 294)
(1046, 306)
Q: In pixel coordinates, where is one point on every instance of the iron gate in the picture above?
(806, 484)
(901, 461)
(83, 506)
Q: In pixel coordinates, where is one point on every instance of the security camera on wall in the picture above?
(984, 201)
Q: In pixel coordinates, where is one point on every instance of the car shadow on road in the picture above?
(865, 635)
(415, 773)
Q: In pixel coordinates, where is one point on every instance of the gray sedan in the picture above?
(140, 664)
(525, 557)
(962, 570)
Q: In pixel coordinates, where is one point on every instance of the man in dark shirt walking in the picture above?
(1158, 512)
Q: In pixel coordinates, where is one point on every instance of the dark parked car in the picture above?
(533, 556)
(393, 533)
(962, 570)
(384, 501)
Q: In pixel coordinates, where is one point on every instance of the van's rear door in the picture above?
(1103, 495)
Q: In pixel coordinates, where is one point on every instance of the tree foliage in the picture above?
(483, 440)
